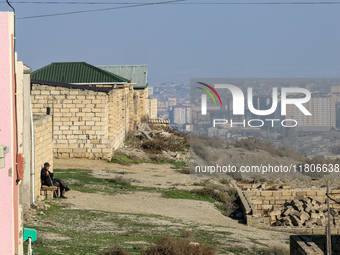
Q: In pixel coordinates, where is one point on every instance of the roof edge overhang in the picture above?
(70, 86)
(103, 83)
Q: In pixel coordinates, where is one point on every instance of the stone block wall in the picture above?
(143, 104)
(43, 148)
(266, 200)
(152, 108)
(89, 123)
(80, 120)
(256, 204)
(121, 115)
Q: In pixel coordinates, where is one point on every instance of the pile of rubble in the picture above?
(143, 130)
(304, 211)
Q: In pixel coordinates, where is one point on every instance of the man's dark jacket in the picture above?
(46, 179)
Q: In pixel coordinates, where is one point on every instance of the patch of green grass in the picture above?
(83, 181)
(123, 159)
(91, 231)
(179, 164)
(185, 194)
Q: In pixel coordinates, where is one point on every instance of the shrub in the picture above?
(117, 250)
(185, 233)
(169, 246)
(162, 144)
(185, 170)
(275, 250)
(40, 239)
(225, 181)
(224, 194)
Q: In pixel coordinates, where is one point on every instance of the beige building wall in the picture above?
(80, 120)
(43, 149)
(87, 123)
(153, 108)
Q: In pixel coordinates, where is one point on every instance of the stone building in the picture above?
(91, 116)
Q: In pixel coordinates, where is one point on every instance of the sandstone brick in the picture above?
(286, 193)
(319, 231)
(257, 202)
(74, 110)
(311, 193)
(85, 127)
(96, 101)
(301, 193)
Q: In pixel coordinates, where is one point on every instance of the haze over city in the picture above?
(181, 40)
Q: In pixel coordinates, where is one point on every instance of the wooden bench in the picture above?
(49, 192)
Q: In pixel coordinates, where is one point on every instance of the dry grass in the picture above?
(213, 142)
(315, 163)
(178, 141)
(225, 181)
(120, 180)
(252, 143)
(200, 149)
(160, 144)
(221, 193)
(275, 250)
(169, 246)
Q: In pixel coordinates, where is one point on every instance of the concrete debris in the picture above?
(144, 130)
(304, 211)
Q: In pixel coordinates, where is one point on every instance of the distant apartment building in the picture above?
(335, 107)
(319, 106)
(172, 102)
(180, 114)
(167, 103)
(162, 104)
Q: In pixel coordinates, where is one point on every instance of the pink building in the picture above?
(12, 130)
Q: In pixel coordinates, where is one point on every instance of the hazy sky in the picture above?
(179, 42)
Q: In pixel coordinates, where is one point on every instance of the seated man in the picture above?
(48, 180)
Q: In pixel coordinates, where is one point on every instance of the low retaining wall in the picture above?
(257, 204)
(312, 244)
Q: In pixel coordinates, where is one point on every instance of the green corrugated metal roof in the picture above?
(75, 72)
(136, 73)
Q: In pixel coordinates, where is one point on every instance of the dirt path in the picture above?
(189, 211)
(148, 175)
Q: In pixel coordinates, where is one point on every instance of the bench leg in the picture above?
(56, 193)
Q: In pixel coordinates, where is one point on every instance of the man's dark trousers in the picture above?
(60, 183)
